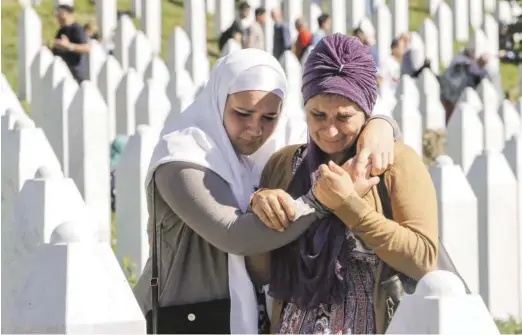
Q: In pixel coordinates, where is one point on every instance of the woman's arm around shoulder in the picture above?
(409, 242)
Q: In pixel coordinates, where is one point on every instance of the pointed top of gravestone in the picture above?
(23, 123)
(11, 112)
(440, 283)
(46, 172)
(70, 232)
(443, 160)
(142, 129)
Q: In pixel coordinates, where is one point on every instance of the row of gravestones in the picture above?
(59, 217)
(71, 117)
(142, 145)
(288, 56)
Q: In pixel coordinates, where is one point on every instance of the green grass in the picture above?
(172, 16)
(172, 11)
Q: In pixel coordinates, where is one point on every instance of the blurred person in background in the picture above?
(325, 25)
(391, 68)
(71, 43)
(282, 37)
(256, 34)
(241, 23)
(233, 43)
(304, 38)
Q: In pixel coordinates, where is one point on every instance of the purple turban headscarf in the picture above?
(341, 65)
(312, 269)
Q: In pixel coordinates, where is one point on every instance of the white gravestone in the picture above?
(127, 93)
(513, 153)
(399, 12)
(355, 12)
(178, 50)
(196, 27)
(108, 81)
(471, 97)
(458, 220)
(95, 297)
(510, 119)
(57, 120)
(410, 122)
(41, 63)
(495, 186)
(24, 150)
(150, 23)
(464, 136)
(29, 42)
(140, 53)
(223, 16)
(444, 21)
(106, 18)
(157, 70)
(382, 21)
(95, 60)
(52, 200)
(460, 20)
(153, 105)
(123, 36)
(131, 208)
(441, 293)
(337, 10)
(89, 154)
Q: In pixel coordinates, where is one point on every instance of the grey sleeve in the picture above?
(205, 202)
(397, 134)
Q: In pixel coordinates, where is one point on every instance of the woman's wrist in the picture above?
(311, 200)
(352, 210)
(252, 196)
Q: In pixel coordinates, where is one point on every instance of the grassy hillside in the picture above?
(172, 11)
(172, 15)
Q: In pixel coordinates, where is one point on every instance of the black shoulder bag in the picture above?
(395, 284)
(209, 317)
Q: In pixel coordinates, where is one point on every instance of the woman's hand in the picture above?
(274, 207)
(377, 137)
(332, 186)
(359, 170)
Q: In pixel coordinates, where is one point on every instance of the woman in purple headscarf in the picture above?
(328, 280)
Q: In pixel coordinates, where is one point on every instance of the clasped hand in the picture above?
(334, 183)
(276, 208)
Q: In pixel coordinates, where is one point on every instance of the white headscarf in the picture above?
(198, 136)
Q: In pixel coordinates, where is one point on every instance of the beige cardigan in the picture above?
(408, 243)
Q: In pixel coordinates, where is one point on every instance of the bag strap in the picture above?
(154, 280)
(385, 199)
(387, 272)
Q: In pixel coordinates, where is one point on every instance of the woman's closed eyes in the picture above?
(248, 113)
(321, 116)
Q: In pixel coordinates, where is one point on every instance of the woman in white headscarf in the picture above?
(203, 171)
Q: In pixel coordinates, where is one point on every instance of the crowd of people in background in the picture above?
(466, 69)
(72, 44)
